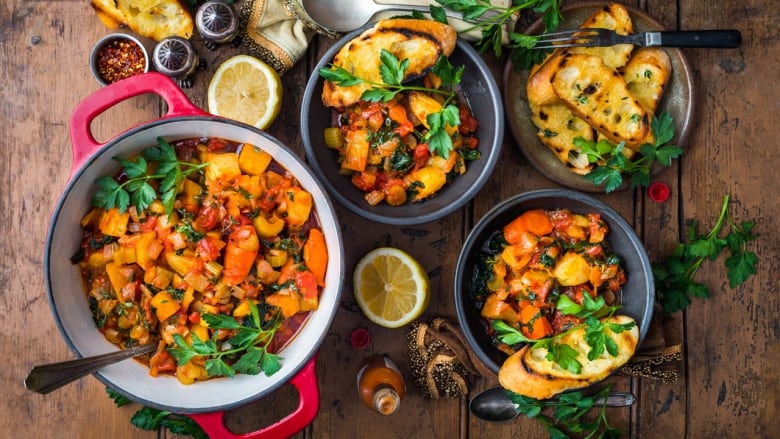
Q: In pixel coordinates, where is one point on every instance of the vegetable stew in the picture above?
(210, 249)
(545, 273)
(389, 149)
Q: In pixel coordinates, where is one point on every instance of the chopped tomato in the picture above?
(215, 144)
(421, 155)
(468, 124)
(364, 181)
(207, 218)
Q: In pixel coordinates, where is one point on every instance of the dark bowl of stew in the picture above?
(632, 287)
(478, 91)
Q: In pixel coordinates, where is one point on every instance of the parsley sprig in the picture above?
(491, 20)
(568, 416)
(613, 165)
(674, 276)
(393, 71)
(151, 419)
(157, 164)
(249, 345)
(593, 312)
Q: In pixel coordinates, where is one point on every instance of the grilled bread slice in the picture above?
(528, 371)
(155, 19)
(422, 42)
(614, 17)
(647, 74)
(558, 127)
(600, 96)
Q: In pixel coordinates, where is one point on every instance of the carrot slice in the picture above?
(315, 255)
(533, 324)
(535, 221)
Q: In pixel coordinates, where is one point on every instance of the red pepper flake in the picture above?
(120, 59)
(659, 192)
(360, 338)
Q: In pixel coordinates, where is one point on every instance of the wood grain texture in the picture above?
(729, 384)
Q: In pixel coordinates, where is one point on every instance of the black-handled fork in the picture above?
(721, 38)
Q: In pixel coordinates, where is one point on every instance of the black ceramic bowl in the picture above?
(637, 295)
(483, 95)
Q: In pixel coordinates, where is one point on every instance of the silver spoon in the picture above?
(495, 406)
(348, 15)
(48, 377)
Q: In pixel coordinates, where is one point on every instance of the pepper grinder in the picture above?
(176, 58)
(217, 23)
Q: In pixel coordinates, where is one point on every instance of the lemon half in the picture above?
(245, 89)
(391, 287)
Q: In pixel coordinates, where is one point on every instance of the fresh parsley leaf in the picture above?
(151, 419)
(220, 321)
(449, 74)
(740, 267)
(249, 344)
(569, 414)
(508, 334)
(392, 71)
(492, 22)
(439, 142)
(249, 362)
(674, 275)
(590, 307)
(136, 190)
(564, 355)
(612, 165)
(567, 306)
(216, 367)
(270, 363)
(118, 399)
(438, 14)
(339, 75)
(147, 418)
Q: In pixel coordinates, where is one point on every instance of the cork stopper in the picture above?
(386, 400)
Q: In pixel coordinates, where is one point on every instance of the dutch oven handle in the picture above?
(309, 392)
(82, 140)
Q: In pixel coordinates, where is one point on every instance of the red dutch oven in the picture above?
(204, 401)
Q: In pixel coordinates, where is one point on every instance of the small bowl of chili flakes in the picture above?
(118, 56)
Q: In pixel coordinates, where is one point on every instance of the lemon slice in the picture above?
(245, 89)
(391, 287)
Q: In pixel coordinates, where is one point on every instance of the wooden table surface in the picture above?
(729, 386)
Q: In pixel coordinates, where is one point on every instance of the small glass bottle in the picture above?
(380, 384)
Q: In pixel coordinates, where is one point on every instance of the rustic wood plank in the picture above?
(44, 49)
(731, 338)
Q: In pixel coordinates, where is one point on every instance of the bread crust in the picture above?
(422, 42)
(528, 372)
(600, 96)
(154, 19)
(647, 74)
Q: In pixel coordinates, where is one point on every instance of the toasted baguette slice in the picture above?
(600, 96)
(422, 42)
(614, 17)
(108, 12)
(155, 19)
(558, 127)
(529, 373)
(646, 75)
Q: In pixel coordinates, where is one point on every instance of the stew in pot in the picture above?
(207, 247)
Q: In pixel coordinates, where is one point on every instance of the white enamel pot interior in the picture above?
(66, 295)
